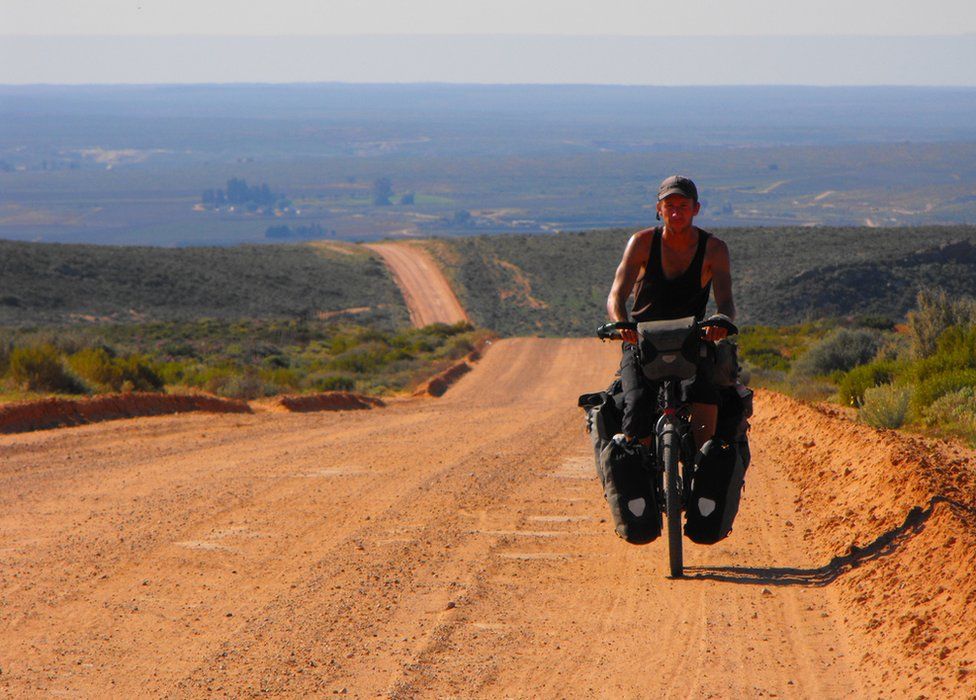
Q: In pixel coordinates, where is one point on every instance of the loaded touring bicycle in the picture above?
(669, 476)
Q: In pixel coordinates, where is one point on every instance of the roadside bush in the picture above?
(361, 359)
(863, 377)
(895, 347)
(96, 366)
(955, 411)
(840, 351)
(885, 406)
(955, 349)
(140, 373)
(936, 312)
(5, 348)
(40, 369)
(809, 389)
(330, 382)
(248, 385)
(936, 386)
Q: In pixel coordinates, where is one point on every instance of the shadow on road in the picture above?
(884, 545)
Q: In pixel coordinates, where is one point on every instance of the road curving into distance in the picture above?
(427, 293)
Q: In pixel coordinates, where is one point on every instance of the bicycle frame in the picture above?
(675, 461)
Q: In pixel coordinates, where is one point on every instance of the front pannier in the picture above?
(628, 488)
(716, 486)
(669, 348)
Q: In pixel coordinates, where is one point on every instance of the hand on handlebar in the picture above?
(714, 333)
(628, 335)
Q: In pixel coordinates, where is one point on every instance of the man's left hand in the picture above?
(714, 333)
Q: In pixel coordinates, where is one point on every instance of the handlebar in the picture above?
(609, 331)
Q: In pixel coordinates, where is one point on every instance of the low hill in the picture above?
(558, 284)
(51, 283)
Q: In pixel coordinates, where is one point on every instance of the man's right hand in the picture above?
(629, 335)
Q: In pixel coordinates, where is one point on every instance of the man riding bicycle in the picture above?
(671, 270)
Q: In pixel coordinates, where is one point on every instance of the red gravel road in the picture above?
(457, 547)
(427, 293)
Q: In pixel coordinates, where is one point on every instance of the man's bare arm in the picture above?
(635, 255)
(722, 280)
(721, 271)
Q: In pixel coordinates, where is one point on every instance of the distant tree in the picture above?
(382, 191)
(407, 198)
(237, 191)
(462, 218)
(306, 233)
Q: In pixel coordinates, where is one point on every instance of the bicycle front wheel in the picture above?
(672, 493)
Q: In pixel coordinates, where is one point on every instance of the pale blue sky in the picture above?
(583, 17)
(650, 42)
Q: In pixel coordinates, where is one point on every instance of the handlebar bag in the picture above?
(716, 487)
(669, 349)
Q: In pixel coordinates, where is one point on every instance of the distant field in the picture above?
(558, 284)
(53, 284)
(126, 165)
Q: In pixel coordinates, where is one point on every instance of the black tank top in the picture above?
(656, 298)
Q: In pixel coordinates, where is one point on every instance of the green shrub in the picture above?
(330, 382)
(936, 312)
(895, 347)
(361, 359)
(283, 378)
(955, 349)
(938, 385)
(841, 351)
(885, 406)
(767, 358)
(140, 373)
(247, 385)
(854, 383)
(5, 349)
(40, 369)
(97, 367)
(955, 411)
(809, 389)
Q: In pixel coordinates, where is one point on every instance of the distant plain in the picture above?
(127, 165)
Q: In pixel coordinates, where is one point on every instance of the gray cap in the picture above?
(677, 184)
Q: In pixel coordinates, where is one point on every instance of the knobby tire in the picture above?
(669, 457)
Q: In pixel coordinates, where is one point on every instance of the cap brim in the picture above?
(672, 190)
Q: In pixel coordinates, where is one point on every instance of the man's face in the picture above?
(678, 211)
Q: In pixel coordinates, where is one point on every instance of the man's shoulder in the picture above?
(644, 236)
(714, 245)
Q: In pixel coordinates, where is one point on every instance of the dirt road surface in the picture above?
(428, 295)
(452, 547)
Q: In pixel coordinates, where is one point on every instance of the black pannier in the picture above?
(604, 416)
(719, 474)
(626, 479)
(627, 486)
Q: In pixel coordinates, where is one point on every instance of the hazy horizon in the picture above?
(801, 60)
